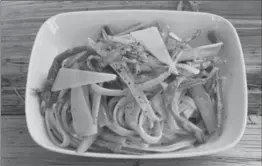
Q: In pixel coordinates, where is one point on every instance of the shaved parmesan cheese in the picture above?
(153, 42)
(72, 78)
(81, 114)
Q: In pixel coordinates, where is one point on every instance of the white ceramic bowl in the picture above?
(62, 31)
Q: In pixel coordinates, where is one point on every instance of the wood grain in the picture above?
(19, 149)
(21, 21)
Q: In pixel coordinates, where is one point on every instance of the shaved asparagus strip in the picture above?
(55, 135)
(189, 101)
(202, 65)
(168, 148)
(126, 39)
(71, 60)
(201, 52)
(138, 94)
(86, 91)
(113, 147)
(115, 125)
(103, 117)
(149, 138)
(174, 36)
(151, 83)
(188, 126)
(107, 92)
(49, 116)
(119, 107)
(205, 106)
(157, 104)
(180, 41)
(176, 56)
(134, 120)
(63, 94)
(132, 115)
(209, 85)
(120, 130)
(193, 36)
(189, 83)
(173, 147)
(127, 150)
(178, 131)
(139, 79)
(58, 124)
(172, 105)
(188, 68)
(136, 140)
(120, 116)
(112, 137)
(167, 98)
(65, 123)
(111, 105)
(172, 124)
(95, 106)
(91, 43)
(219, 88)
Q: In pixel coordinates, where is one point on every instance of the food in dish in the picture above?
(144, 90)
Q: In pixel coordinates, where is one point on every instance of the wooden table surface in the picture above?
(20, 21)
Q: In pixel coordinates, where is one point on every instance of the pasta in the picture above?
(144, 90)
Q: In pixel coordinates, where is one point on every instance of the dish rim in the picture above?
(146, 156)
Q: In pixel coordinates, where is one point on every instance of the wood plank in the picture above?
(21, 21)
(18, 149)
(242, 9)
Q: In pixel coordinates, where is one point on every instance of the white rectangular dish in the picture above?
(66, 30)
